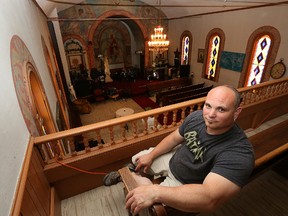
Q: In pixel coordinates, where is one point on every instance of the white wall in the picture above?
(237, 26)
(22, 18)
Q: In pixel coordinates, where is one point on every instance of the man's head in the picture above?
(221, 109)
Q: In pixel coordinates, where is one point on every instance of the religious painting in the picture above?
(112, 45)
(232, 61)
(201, 54)
(75, 61)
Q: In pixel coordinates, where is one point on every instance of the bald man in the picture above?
(206, 161)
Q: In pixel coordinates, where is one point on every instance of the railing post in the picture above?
(72, 146)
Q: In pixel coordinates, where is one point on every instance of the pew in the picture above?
(268, 148)
(186, 98)
(162, 94)
(155, 87)
(185, 95)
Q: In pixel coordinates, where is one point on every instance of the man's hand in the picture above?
(140, 198)
(144, 162)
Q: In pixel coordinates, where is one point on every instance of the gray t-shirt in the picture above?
(229, 155)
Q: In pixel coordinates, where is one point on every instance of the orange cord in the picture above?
(264, 119)
(261, 122)
(80, 170)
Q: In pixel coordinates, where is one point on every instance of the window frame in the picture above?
(188, 34)
(274, 34)
(214, 32)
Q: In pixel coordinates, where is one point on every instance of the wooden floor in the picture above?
(266, 195)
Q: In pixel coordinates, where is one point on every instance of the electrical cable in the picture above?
(80, 170)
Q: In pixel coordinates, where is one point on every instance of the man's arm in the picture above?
(166, 145)
(205, 197)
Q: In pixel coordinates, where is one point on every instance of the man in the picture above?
(209, 159)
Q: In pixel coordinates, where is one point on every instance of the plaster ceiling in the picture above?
(172, 8)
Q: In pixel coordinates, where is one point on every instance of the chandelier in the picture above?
(158, 42)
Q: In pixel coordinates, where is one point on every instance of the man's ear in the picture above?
(237, 113)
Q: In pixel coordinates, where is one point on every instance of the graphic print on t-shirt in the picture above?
(194, 145)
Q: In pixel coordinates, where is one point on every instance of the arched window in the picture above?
(214, 46)
(261, 51)
(186, 45)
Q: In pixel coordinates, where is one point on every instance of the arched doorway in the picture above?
(32, 98)
(132, 28)
(40, 107)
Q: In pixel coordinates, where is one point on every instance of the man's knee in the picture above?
(141, 180)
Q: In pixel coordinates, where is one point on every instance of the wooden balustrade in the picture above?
(116, 145)
(113, 131)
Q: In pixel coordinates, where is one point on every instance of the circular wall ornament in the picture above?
(278, 70)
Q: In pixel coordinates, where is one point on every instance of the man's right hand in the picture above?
(143, 163)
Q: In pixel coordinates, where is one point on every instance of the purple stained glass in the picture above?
(253, 82)
(214, 52)
(211, 72)
(213, 62)
(256, 71)
(263, 44)
(216, 41)
(260, 57)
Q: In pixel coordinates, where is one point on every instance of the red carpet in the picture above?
(145, 102)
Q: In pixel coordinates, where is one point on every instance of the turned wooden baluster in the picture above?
(86, 144)
(99, 139)
(145, 123)
(123, 131)
(174, 117)
(165, 119)
(183, 114)
(134, 129)
(155, 128)
(72, 146)
(111, 135)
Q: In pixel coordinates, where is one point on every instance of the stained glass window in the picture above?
(185, 50)
(213, 53)
(259, 57)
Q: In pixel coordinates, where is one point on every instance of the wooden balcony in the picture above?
(68, 172)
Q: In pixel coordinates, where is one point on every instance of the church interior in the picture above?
(88, 84)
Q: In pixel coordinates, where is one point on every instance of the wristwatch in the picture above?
(278, 70)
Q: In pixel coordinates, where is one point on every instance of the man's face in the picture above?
(219, 110)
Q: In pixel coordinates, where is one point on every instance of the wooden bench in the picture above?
(162, 94)
(192, 97)
(185, 95)
(270, 146)
(154, 87)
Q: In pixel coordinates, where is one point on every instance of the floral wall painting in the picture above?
(232, 61)
(201, 56)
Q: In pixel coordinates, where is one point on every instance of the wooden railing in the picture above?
(114, 132)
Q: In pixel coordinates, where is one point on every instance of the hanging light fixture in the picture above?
(158, 42)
